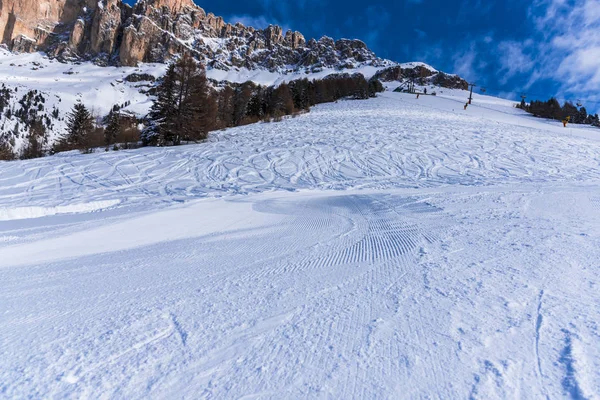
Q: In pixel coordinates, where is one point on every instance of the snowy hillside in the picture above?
(61, 85)
(388, 248)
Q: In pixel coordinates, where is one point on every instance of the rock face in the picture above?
(112, 32)
(422, 76)
(38, 20)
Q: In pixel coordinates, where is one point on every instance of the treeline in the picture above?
(552, 109)
(31, 121)
(85, 132)
(187, 107)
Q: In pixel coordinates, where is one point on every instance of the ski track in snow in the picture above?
(389, 142)
(389, 248)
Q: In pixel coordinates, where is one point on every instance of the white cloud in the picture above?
(467, 62)
(259, 22)
(571, 53)
(514, 58)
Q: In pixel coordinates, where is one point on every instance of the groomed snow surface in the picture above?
(390, 248)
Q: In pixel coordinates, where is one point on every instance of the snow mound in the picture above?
(415, 64)
(11, 214)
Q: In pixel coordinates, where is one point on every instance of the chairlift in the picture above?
(483, 90)
(579, 104)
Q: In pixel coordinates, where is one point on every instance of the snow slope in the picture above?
(63, 85)
(390, 248)
(100, 88)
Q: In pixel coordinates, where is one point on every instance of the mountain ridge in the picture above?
(55, 53)
(111, 32)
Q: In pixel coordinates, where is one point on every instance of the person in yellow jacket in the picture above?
(566, 121)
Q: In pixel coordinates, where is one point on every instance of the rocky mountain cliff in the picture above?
(35, 87)
(111, 32)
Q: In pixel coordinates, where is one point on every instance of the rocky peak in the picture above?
(174, 6)
(421, 75)
(36, 20)
(111, 32)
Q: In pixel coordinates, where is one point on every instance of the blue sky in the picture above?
(540, 47)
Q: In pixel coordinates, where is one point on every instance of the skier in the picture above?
(466, 105)
(425, 91)
(417, 95)
(566, 121)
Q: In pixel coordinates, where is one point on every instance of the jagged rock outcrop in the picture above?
(106, 25)
(112, 32)
(38, 20)
(422, 75)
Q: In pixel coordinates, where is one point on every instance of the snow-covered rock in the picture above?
(112, 32)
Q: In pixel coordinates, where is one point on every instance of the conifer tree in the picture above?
(226, 107)
(282, 102)
(375, 86)
(35, 140)
(301, 94)
(161, 117)
(184, 109)
(582, 116)
(113, 128)
(80, 125)
(197, 109)
(241, 100)
(6, 152)
(569, 110)
(255, 106)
